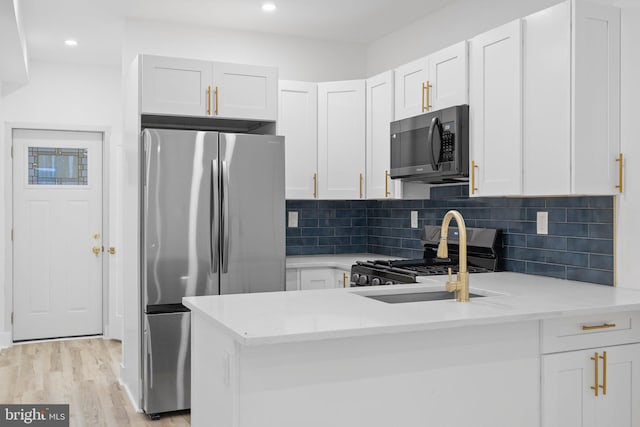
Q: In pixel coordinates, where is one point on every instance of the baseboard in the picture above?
(5, 339)
(131, 399)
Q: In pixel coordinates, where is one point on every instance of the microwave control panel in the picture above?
(447, 153)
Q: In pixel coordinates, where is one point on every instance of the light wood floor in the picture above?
(83, 373)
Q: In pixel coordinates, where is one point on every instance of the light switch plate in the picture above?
(414, 219)
(293, 219)
(542, 223)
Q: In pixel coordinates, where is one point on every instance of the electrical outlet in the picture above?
(293, 219)
(542, 223)
(414, 219)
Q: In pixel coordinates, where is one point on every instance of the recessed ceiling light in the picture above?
(71, 42)
(268, 7)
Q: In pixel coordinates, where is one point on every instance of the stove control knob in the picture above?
(363, 279)
(355, 277)
(388, 282)
(376, 282)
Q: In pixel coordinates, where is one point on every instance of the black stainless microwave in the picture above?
(432, 147)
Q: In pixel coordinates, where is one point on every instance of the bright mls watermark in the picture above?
(34, 415)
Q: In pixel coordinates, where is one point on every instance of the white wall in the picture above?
(297, 58)
(459, 21)
(5, 304)
(68, 96)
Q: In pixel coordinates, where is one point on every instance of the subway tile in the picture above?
(334, 222)
(318, 232)
(526, 254)
(316, 250)
(326, 213)
(334, 204)
(508, 214)
(548, 270)
(522, 227)
(379, 249)
(351, 249)
(351, 213)
(592, 276)
(514, 265)
(359, 222)
(567, 202)
(568, 229)
(379, 213)
(601, 262)
(434, 203)
(510, 239)
(601, 202)
(307, 222)
(601, 231)
(490, 223)
(293, 232)
(385, 241)
(590, 215)
(555, 214)
(302, 241)
(412, 244)
(546, 242)
(301, 204)
(596, 246)
(351, 231)
(359, 240)
(308, 213)
(406, 204)
(567, 258)
(341, 240)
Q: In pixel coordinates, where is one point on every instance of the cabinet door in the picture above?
(495, 84)
(298, 123)
(245, 91)
(317, 278)
(448, 75)
(379, 115)
(409, 89)
(342, 278)
(596, 103)
(547, 101)
(292, 279)
(568, 399)
(341, 140)
(175, 86)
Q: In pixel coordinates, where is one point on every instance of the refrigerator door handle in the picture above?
(214, 217)
(225, 217)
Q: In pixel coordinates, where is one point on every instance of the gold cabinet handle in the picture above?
(344, 281)
(387, 193)
(619, 160)
(209, 101)
(473, 177)
(96, 250)
(423, 90)
(217, 96)
(315, 185)
(428, 87)
(595, 385)
(112, 250)
(604, 372)
(361, 186)
(96, 236)
(603, 326)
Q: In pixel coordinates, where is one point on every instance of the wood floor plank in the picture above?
(83, 373)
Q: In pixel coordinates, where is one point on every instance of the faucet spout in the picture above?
(461, 284)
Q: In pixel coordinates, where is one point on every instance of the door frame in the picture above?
(8, 190)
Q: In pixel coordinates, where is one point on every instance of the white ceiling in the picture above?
(97, 24)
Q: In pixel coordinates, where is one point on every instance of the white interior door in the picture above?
(57, 223)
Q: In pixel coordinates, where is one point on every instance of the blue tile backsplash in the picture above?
(579, 245)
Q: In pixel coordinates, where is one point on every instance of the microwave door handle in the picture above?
(435, 124)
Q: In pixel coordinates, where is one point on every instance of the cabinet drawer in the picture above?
(589, 331)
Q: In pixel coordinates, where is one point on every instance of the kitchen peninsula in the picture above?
(339, 358)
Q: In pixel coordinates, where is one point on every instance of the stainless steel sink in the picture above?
(417, 296)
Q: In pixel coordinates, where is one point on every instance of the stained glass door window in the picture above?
(57, 166)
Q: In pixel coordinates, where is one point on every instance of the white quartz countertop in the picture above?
(295, 316)
(343, 261)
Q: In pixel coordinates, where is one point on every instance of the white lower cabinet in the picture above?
(592, 388)
(342, 278)
(304, 279)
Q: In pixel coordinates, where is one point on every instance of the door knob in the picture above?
(96, 250)
(112, 250)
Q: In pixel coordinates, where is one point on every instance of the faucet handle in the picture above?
(450, 274)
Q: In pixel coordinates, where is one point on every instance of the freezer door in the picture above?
(167, 362)
(253, 213)
(180, 215)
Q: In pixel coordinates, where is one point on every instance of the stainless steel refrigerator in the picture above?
(213, 223)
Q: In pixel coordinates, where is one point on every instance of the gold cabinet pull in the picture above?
(473, 177)
(387, 193)
(595, 385)
(217, 96)
(428, 87)
(96, 236)
(361, 186)
(96, 250)
(315, 185)
(603, 386)
(344, 281)
(619, 160)
(423, 90)
(112, 250)
(208, 100)
(603, 326)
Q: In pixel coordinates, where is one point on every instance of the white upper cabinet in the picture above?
(595, 141)
(379, 114)
(495, 99)
(178, 86)
(298, 123)
(437, 81)
(571, 139)
(245, 91)
(175, 85)
(449, 76)
(410, 88)
(341, 140)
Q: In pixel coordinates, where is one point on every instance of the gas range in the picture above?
(484, 248)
